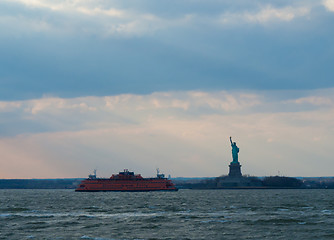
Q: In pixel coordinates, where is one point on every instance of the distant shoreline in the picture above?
(181, 183)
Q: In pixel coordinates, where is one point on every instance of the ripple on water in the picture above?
(14, 209)
(98, 238)
(327, 212)
(5, 215)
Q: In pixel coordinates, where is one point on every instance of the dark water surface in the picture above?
(187, 214)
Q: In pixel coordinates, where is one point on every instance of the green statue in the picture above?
(235, 151)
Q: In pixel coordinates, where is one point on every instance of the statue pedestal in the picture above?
(235, 170)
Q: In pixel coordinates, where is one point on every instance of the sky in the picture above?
(140, 85)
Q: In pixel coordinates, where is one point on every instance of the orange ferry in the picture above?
(126, 182)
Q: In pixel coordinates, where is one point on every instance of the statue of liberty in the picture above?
(235, 151)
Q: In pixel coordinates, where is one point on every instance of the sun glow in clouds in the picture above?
(185, 133)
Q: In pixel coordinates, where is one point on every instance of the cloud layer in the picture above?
(183, 133)
(84, 48)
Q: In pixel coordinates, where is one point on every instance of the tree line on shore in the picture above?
(256, 182)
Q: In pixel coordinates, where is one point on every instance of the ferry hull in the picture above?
(125, 182)
(122, 186)
(162, 190)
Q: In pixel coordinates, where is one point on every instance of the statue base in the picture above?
(235, 170)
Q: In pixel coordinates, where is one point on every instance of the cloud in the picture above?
(183, 133)
(84, 7)
(51, 104)
(329, 4)
(100, 18)
(315, 101)
(266, 14)
(191, 101)
(224, 101)
(97, 18)
(9, 106)
(42, 4)
(284, 14)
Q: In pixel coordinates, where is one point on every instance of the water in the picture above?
(187, 214)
